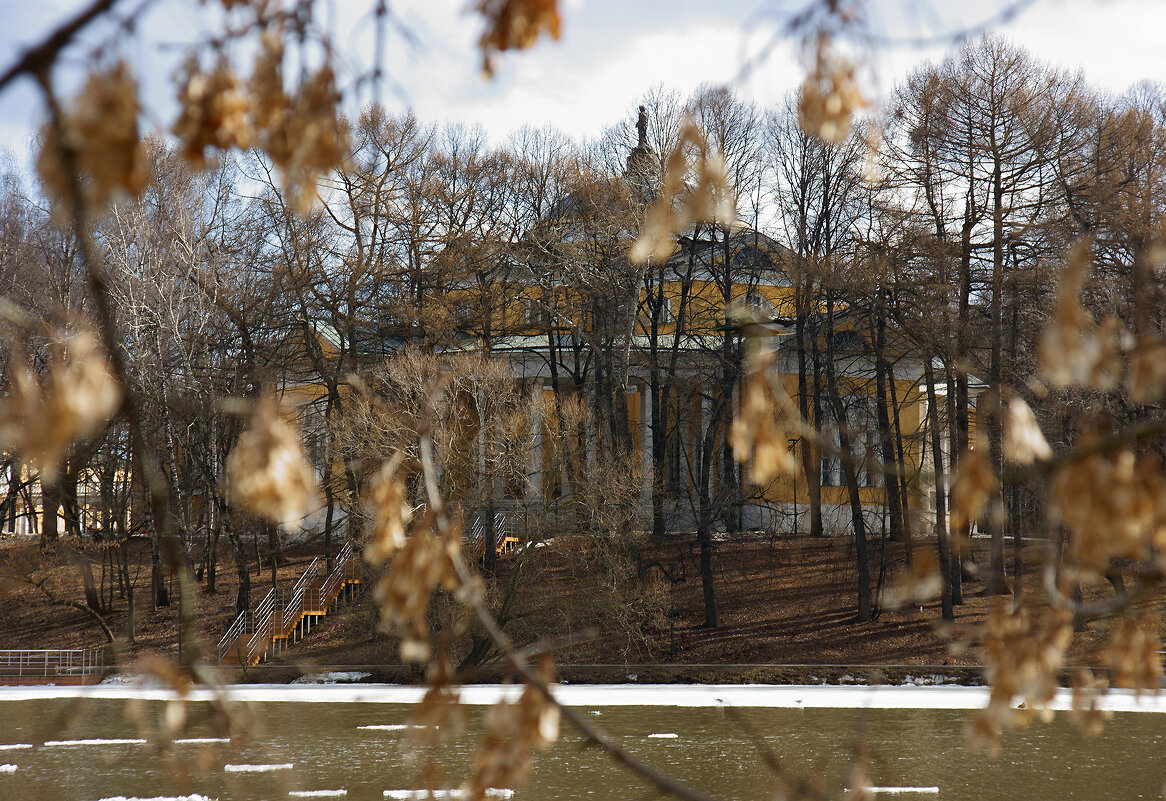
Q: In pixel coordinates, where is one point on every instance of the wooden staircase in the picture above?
(280, 620)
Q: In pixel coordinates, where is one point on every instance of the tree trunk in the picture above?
(864, 609)
(942, 544)
(50, 494)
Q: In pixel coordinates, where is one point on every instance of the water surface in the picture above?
(101, 748)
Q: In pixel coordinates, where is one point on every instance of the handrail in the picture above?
(294, 609)
(476, 536)
(233, 634)
(44, 662)
(272, 619)
(264, 624)
(330, 588)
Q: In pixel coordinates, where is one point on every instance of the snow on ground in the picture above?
(258, 768)
(598, 695)
(317, 793)
(195, 797)
(7, 769)
(15, 746)
(333, 677)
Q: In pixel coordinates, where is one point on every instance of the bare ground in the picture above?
(785, 611)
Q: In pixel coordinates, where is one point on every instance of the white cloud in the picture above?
(612, 52)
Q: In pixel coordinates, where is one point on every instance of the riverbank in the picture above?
(785, 616)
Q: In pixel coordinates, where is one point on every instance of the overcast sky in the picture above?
(611, 52)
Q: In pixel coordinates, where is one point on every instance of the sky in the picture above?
(611, 52)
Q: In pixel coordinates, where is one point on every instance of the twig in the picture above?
(150, 471)
(659, 780)
(37, 60)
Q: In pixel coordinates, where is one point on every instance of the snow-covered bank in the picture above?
(593, 695)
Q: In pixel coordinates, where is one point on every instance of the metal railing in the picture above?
(253, 633)
(52, 662)
(262, 628)
(343, 570)
(233, 635)
(476, 538)
(293, 610)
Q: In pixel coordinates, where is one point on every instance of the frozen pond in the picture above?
(79, 744)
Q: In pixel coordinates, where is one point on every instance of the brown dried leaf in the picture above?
(695, 188)
(1085, 713)
(40, 420)
(829, 96)
(1135, 656)
(391, 512)
(1146, 381)
(921, 582)
(214, 112)
(973, 488)
(420, 566)
(439, 714)
(759, 435)
(1111, 506)
(305, 139)
(1023, 441)
(1073, 351)
(514, 25)
(267, 472)
(1023, 653)
(101, 129)
(503, 759)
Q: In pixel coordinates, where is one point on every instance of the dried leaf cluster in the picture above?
(695, 188)
(268, 473)
(304, 135)
(1023, 653)
(1023, 441)
(1085, 710)
(974, 486)
(829, 96)
(391, 512)
(98, 134)
(439, 714)
(41, 417)
(214, 111)
(421, 561)
(514, 25)
(1114, 506)
(1074, 351)
(760, 433)
(919, 583)
(513, 731)
(1135, 656)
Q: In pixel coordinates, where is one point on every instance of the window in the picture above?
(646, 309)
(863, 439)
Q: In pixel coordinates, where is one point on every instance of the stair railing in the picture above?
(258, 629)
(332, 585)
(294, 609)
(233, 635)
(264, 627)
